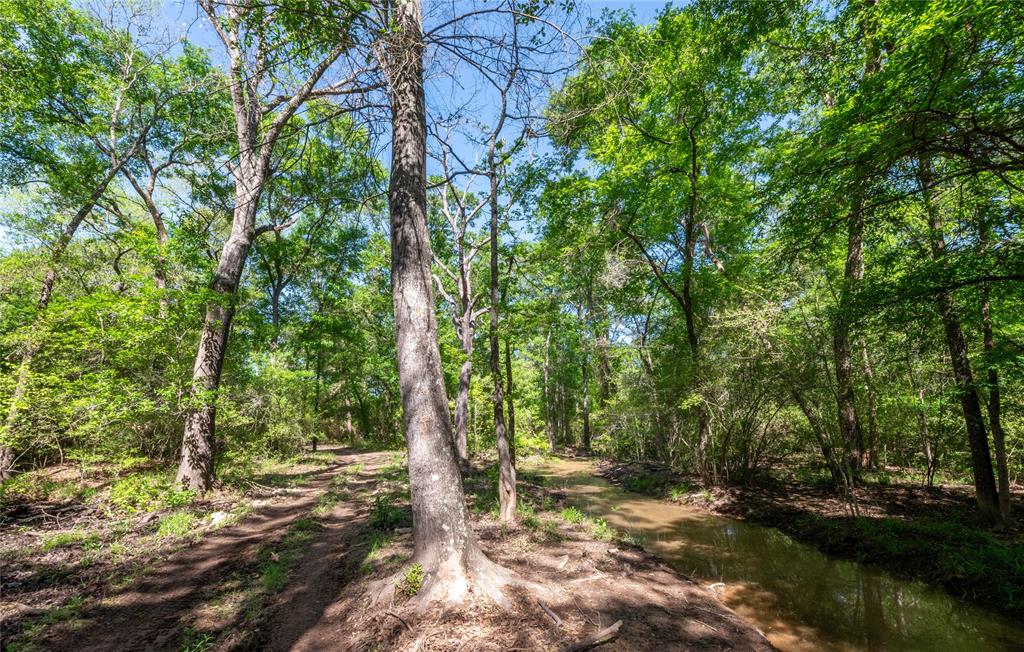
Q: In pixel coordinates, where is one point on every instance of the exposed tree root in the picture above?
(453, 584)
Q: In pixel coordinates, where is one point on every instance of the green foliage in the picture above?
(385, 515)
(148, 492)
(572, 515)
(176, 525)
(412, 580)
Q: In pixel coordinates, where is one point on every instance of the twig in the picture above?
(400, 619)
(596, 576)
(554, 616)
(603, 636)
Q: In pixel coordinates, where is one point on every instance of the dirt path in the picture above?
(331, 549)
(155, 611)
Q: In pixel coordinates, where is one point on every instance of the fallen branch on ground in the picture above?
(603, 636)
(554, 616)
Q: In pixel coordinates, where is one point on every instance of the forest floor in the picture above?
(927, 533)
(290, 558)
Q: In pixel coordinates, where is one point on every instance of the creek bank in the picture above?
(592, 575)
(925, 533)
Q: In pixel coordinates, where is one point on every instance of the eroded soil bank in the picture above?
(297, 571)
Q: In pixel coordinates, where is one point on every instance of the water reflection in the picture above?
(800, 598)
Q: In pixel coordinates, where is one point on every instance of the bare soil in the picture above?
(591, 585)
(201, 595)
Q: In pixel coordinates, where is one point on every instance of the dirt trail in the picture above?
(153, 612)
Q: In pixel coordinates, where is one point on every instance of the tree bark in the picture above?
(995, 421)
(461, 436)
(869, 454)
(256, 136)
(506, 469)
(509, 399)
(549, 422)
(585, 384)
(444, 543)
(853, 272)
(195, 469)
(981, 460)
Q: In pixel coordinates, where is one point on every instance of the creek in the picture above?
(802, 599)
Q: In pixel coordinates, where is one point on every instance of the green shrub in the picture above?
(149, 492)
(413, 580)
(680, 490)
(572, 515)
(642, 484)
(602, 531)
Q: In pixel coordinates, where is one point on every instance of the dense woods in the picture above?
(740, 240)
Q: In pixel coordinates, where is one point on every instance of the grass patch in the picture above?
(80, 538)
(195, 641)
(26, 641)
(176, 525)
(274, 565)
(385, 515)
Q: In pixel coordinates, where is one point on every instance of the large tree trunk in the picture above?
(506, 469)
(195, 470)
(981, 460)
(444, 543)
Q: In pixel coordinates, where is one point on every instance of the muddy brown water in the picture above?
(800, 598)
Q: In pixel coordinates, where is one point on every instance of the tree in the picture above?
(460, 208)
(80, 99)
(444, 543)
(256, 39)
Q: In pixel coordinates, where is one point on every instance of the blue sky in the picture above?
(184, 19)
